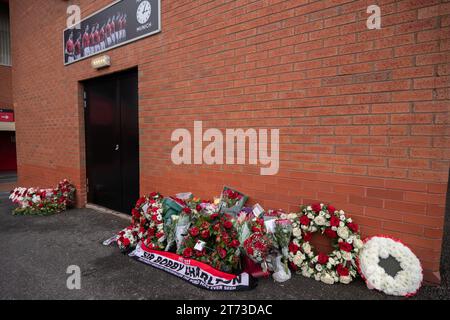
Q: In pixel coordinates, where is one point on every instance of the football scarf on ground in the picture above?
(192, 271)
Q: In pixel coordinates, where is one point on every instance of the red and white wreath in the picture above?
(338, 266)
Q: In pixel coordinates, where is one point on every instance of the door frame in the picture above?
(83, 192)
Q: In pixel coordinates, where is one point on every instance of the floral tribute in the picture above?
(406, 282)
(212, 239)
(231, 201)
(35, 201)
(146, 225)
(340, 265)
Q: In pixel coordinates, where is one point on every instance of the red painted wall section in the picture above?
(363, 114)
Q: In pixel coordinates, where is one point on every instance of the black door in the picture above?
(112, 140)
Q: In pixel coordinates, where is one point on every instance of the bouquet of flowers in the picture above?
(257, 248)
(146, 225)
(283, 233)
(35, 201)
(213, 240)
(231, 201)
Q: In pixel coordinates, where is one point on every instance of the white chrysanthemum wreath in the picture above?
(406, 282)
(340, 265)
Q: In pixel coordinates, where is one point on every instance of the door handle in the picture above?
(117, 147)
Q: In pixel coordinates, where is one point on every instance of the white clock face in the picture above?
(144, 12)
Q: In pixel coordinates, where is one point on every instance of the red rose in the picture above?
(316, 207)
(235, 243)
(344, 246)
(205, 234)
(293, 266)
(205, 225)
(334, 221)
(198, 207)
(214, 216)
(187, 253)
(135, 213)
(353, 226)
(153, 194)
(187, 210)
(342, 271)
(323, 258)
(222, 253)
(307, 236)
(126, 241)
(331, 209)
(151, 232)
(216, 227)
(250, 251)
(293, 247)
(227, 224)
(330, 233)
(304, 220)
(256, 229)
(194, 231)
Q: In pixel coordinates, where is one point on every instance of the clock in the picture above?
(144, 12)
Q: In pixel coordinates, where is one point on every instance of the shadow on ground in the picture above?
(36, 252)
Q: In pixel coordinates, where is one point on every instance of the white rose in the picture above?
(283, 216)
(297, 260)
(331, 260)
(341, 224)
(358, 243)
(319, 220)
(297, 232)
(305, 273)
(321, 213)
(345, 280)
(318, 267)
(306, 248)
(350, 240)
(343, 232)
(341, 212)
(310, 216)
(327, 278)
(349, 220)
(347, 256)
(334, 228)
(309, 208)
(292, 216)
(327, 216)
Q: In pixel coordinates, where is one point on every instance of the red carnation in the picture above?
(187, 253)
(330, 233)
(307, 236)
(353, 226)
(342, 271)
(194, 231)
(235, 243)
(205, 234)
(331, 209)
(316, 207)
(334, 221)
(293, 247)
(323, 258)
(344, 246)
(228, 224)
(304, 220)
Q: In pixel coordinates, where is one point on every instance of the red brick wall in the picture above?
(362, 113)
(5, 88)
